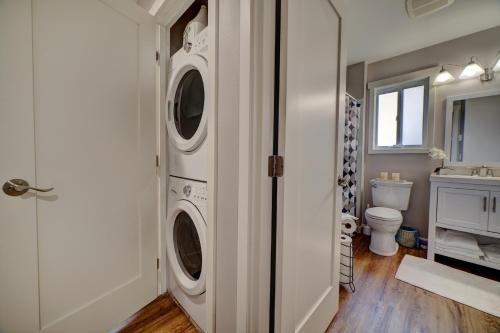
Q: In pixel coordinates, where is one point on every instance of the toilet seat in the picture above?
(384, 214)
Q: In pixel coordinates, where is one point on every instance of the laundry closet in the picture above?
(187, 110)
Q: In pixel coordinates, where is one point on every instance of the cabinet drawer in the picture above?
(463, 207)
(494, 221)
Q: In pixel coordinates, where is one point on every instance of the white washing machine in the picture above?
(186, 242)
(187, 110)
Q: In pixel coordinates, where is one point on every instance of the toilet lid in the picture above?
(383, 213)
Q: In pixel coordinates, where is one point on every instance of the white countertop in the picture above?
(465, 179)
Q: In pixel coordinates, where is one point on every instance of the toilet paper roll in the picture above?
(348, 227)
(345, 258)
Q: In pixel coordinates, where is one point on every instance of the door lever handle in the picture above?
(342, 182)
(17, 187)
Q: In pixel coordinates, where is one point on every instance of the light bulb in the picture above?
(471, 70)
(443, 77)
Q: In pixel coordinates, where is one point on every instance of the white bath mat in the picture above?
(469, 289)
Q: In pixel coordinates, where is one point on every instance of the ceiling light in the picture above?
(443, 77)
(472, 70)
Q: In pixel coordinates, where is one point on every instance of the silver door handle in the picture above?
(485, 204)
(494, 208)
(16, 187)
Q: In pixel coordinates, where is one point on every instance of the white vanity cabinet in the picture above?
(462, 207)
(494, 218)
(464, 203)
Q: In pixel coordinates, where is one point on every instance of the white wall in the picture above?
(227, 166)
(481, 130)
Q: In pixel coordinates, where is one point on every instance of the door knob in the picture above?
(341, 181)
(16, 187)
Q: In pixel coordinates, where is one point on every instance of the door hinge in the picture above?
(157, 57)
(157, 161)
(157, 263)
(275, 166)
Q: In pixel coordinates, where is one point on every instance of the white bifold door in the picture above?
(77, 118)
(312, 122)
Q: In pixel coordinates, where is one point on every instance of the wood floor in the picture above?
(383, 304)
(160, 316)
(380, 304)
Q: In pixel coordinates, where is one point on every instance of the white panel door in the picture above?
(494, 219)
(313, 72)
(463, 207)
(79, 117)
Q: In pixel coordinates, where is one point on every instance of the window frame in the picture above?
(398, 84)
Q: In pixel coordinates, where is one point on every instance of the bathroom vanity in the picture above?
(467, 199)
(464, 203)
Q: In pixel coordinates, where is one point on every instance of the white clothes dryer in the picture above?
(186, 244)
(187, 110)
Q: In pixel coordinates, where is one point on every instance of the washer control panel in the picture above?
(191, 190)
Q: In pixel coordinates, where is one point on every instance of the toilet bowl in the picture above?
(384, 224)
(390, 198)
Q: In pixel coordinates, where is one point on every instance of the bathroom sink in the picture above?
(467, 179)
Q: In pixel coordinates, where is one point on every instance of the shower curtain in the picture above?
(351, 154)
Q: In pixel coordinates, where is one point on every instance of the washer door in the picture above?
(187, 104)
(186, 244)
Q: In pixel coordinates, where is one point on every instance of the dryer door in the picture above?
(187, 103)
(186, 246)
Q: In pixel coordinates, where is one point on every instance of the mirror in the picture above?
(475, 130)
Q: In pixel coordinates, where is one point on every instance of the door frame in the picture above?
(255, 142)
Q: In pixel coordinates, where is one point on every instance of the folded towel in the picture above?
(459, 252)
(492, 260)
(458, 241)
(491, 252)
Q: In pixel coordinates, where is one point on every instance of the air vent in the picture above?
(417, 8)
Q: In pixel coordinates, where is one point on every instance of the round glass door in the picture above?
(188, 104)
(188, 246)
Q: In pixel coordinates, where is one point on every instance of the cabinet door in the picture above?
(463, 207)
(494, 221)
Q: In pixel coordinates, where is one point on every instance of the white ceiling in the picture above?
(380, 29)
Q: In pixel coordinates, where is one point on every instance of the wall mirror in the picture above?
(473, 129)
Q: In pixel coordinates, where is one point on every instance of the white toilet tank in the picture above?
(391, 193)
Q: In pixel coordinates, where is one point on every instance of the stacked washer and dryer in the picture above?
(186, 225)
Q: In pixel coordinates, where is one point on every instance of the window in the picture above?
(399, 117)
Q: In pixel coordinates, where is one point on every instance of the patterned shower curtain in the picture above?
(351, 154)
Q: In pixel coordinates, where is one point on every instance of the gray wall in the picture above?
(355, 80)
(417, 167)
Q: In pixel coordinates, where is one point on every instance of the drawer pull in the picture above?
(485, 203)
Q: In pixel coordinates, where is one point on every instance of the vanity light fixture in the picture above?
(496, 68)
(472, 70)
(443, 77)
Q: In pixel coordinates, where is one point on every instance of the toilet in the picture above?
(390, 198)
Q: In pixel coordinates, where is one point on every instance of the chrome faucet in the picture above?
(482, 171)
